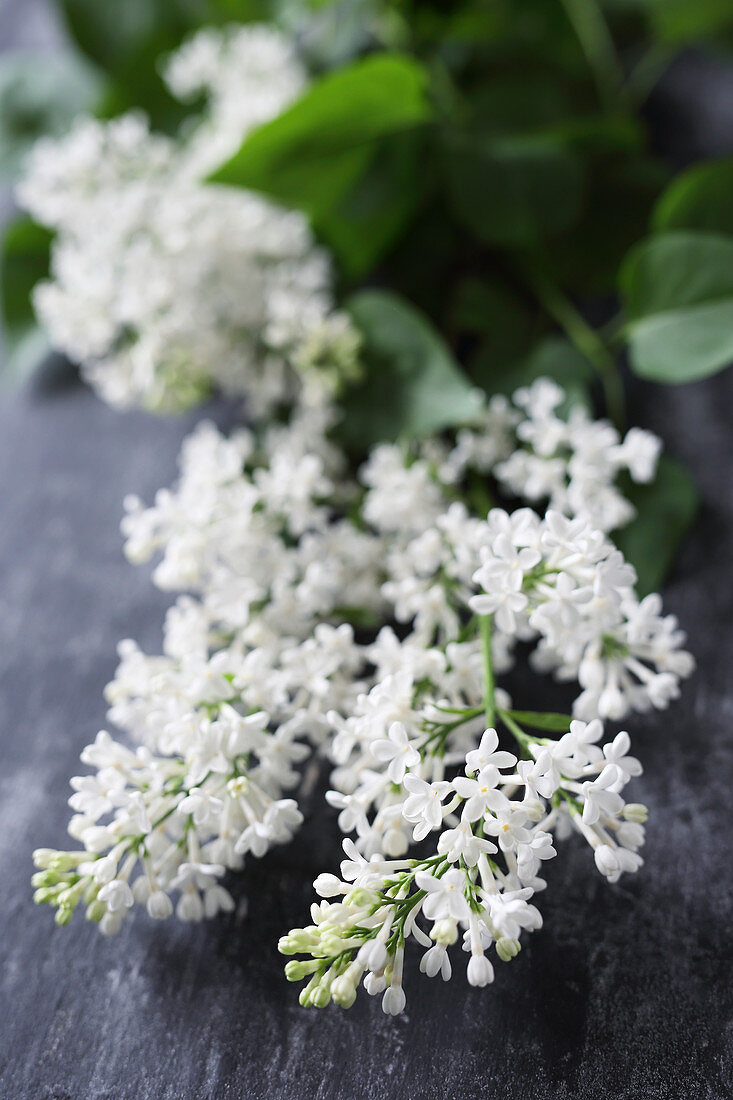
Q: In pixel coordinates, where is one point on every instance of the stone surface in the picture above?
(623, 994)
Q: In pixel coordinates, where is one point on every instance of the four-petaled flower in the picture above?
(486, 754)
(480, 793)
(424, 806)
(446, 899)
(398, 750)
(599, 796)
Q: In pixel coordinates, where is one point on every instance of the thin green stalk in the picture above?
(485, 628)
(648, 71)
(515, 729)
(596, 42)
(586, 340)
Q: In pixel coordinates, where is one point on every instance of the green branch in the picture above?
(585, 338)
(485, 626)
(596, 42)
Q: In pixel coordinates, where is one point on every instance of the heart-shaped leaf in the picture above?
(700, 198)
(665, 511)
(313, 154)
(678, 292)
(24, 260)
(412, 384)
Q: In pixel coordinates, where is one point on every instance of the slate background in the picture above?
(625, 991)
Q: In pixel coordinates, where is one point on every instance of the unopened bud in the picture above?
(636, 812)
(507, 949)
(444, 931)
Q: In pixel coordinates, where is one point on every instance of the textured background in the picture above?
(623, 993)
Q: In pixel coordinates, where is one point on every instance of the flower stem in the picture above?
(586, 340)
(515, 729)
(596, 42)
(485, 625)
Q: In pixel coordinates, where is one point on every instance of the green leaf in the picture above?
(512, 191)
(40, 95)
(312, 155)
(412, 384)
(619, 195)
(665, 511)
(680, 21)
(24, 260)
(491, 309)
(553, 357)
(700, 198)
(367, 222)
(541, 720)
(678, 292)
(511, 103)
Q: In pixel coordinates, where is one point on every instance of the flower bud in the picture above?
(607, 860)
(393, 1001)
(375, 983)
(507, 949)
(328, 886)
(45, 878)
(159, 905)
(95, 911)
(45, 895)
(444, 931)
(297, 969)
(321, 995)
(44, 857)
(636, 812)
(480, 971)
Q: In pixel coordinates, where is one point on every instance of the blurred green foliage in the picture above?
(487, 164)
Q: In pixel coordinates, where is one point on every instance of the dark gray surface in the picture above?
(622, 994)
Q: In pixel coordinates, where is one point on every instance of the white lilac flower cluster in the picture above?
(570, 461)
(495, 828)
(163, 286)
(250, 667)
(419, 757)
(281, 555)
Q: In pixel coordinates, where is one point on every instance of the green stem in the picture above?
(516, 730)
(586, 340)
(596, 42)
(648, 71)
(485, 625)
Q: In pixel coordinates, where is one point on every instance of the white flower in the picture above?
(445, 900)
(501, 577)
(486, 755)
(436, 961)
(599, 798)
(510, 913)
(480, 972)
(507, 824)
(117, 895)
(462, 843)
(424, 806)
(612, 861)
(538, 776)
(616, 752)
(532, 853)
(203, 806)
(162, 285)
(398, 750)
(480, 793)
(159, 905)
(393, 1001)
(639, 452)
